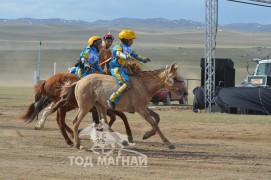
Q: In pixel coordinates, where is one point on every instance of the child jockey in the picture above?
(105, 53)
(90, 58)
(122, 53)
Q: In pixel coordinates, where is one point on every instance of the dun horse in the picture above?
(49, 91)
(96, 89)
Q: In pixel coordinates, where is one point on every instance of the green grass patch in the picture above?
(23, 96)
(188, 116)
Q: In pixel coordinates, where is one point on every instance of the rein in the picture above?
(106, 61)
(162, 81)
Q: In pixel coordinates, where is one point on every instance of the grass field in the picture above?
(63, 44)
(17, 67)
(22, 96)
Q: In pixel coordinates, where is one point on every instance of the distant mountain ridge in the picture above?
(150, 23)
(120, 22)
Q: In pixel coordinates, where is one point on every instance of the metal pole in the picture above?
(54, 68)
(187, 90)
(39, 63)
(35, 77)
(210, 35)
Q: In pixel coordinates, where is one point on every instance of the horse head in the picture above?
(173, 81)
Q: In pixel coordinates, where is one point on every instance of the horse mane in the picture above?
(152, 73)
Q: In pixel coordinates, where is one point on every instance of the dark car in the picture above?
(166, 96)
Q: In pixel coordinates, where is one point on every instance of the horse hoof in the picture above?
(70, 143)
(130, 140)
(171, 146)
(38, 128)
(148, 134)
(125, 143)
(77, 146)
(145, 137)
(79, 130)
(82, 148)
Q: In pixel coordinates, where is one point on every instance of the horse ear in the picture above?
(176, 66)
(172, 67)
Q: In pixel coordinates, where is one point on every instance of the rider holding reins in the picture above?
(122, 53)
(90, 58)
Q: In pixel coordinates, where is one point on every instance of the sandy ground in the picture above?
(203, 151)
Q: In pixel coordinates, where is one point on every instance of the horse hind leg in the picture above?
(68, 129)
(76, 122)
(61, 114)
(45, 114)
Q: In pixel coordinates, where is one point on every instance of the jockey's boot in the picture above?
(114, 98)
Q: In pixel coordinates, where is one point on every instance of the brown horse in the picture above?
(98, 88)
(49, 91)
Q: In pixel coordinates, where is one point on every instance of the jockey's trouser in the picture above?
(82, 72)
(120, 74)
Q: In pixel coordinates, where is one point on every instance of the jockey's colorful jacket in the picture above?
(118, 64)
(90, 59)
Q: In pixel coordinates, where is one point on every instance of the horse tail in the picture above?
(66, 94)
(32, 112)
(35, 108)
(28, 113)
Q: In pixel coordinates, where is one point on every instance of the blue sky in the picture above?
(92, 10)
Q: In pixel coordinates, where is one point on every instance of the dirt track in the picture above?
(203, 151)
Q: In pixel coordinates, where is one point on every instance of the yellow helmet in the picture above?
(127, 34)
(92, 39)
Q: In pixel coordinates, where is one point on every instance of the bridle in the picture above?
(165, 81)
(181, 80)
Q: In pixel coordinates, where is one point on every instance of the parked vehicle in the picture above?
(166, 96)
(261, 75)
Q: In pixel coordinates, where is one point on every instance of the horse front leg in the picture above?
(112, 117)
(147, 116)
(101, 111)
(95, 115)
(152, 132)
(125, 121)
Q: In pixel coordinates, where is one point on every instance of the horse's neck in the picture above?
(153, 83)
